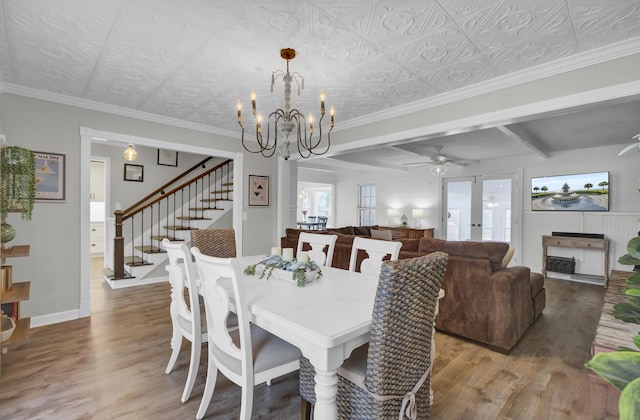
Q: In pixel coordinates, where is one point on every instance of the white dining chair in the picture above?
(376, 250)
(318, 243)
(247, 356)
(185, 318)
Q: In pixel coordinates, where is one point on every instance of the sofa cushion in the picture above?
(362, 230)
(293, 233)
(537, 283)
(344, 239)
(409, 244)
(347, 230)
(493, 251)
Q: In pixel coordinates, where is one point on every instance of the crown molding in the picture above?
(112, 109)
(541, 71)
(563, 65)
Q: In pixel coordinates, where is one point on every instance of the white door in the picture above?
(478, 208)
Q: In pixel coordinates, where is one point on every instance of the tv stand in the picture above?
(576, 242)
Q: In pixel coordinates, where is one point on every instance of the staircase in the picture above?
(172, 212)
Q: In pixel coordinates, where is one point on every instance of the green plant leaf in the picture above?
(629, 402)
(634, 281)
(632, 292)
(636, 340)
(627, 312)
(633, 247)
(618, 368)
(627, 259)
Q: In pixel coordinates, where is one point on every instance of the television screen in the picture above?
(578, 192)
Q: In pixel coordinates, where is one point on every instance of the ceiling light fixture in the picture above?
(438, 169)
(130, 153)
(492, 203)
(286, 120)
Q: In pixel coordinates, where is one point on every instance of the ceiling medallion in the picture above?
(286, 121)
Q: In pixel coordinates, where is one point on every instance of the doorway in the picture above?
(479, 208)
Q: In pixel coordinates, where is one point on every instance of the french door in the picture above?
(478, 208)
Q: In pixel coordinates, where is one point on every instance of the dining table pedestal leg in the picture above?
(326, 388)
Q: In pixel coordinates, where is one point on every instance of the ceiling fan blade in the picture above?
(416, 163)
(637, 136)
(629, 147)
(464, 162)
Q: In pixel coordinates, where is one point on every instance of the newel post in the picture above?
(118, 247)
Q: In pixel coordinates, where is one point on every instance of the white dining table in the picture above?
(326, 319)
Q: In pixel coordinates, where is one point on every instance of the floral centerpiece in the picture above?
(302, 272)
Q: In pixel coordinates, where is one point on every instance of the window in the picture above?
(367, 205)
(315, 199)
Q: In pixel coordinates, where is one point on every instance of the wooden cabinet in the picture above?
(97, 238)
(401, 232)
(576, 242)
(11, 299)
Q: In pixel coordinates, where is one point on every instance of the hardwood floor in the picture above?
(111, 366)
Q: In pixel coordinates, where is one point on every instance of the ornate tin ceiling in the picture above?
(192, 60)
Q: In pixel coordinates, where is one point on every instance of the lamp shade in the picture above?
(130, 153)
(417, 213)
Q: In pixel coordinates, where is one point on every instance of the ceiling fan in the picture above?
(438, 161)
(631, 146)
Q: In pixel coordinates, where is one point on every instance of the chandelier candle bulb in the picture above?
(253, 101)
(287, 254)
(239, 112)
(322, 102)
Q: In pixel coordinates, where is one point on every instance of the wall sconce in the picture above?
(130, 153)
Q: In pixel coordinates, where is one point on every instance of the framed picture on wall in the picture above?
(50, 176)
(258, 191)
(167, 157)
(133, 172)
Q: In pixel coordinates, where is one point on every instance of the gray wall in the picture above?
(53, 266)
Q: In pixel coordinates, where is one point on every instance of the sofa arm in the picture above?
(491, 307)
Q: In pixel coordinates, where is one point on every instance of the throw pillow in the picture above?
(381, 234)
(507, 257)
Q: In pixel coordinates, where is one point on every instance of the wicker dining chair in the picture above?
(219, 243)
(391, 375)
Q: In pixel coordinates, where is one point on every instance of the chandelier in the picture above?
(285, 122)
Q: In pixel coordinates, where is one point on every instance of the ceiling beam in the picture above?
(517, 134)
(360, 160)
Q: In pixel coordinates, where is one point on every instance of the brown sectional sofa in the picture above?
(484, 301)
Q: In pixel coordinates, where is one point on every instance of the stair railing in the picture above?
(174, 207)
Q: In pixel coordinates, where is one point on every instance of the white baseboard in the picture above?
(42, 320)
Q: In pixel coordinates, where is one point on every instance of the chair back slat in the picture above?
(183, 274)
(223, 291)
(376, 251)
(318, 242)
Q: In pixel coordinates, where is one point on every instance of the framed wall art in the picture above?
(258, 191)
(167, 157)
(133, 172)
(50, 176)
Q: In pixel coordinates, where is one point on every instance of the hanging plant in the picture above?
(18, 181)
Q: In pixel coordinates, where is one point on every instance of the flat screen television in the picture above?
(576, 192)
